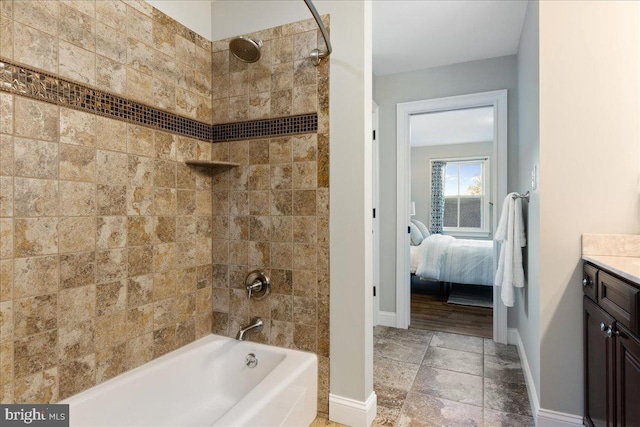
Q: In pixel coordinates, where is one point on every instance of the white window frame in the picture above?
(485, 231)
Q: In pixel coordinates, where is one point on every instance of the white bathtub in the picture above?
(206, 383)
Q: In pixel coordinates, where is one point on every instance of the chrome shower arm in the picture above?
(317, 54)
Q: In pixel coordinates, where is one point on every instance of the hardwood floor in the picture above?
(429, 310)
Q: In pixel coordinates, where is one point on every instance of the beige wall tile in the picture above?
(110, 330)
(140, 320)
(33, 47)
(35, 159)
(35, 276)
(6, 196)
(6, 279)
(111, 297)
(41, 387)
(33, 197)
(6, 363)
(77, 127)
(165, 199)
(111, 265)
(112, 13)
(139, 26)
(76, 305)
(140, 290)
(35, 236)
(76, 163)
(6, 37)
(34, 315)
(111, 134)
(111, 232)
(6, 113)
(35, 119)
(111, 362)
(139, 86)
(7, 329)
(111, 199)
(139, 350)
(77, 198)
(7, 239)
(139, 200)
(140, 141)
(76, 63)
(38, 14)
(111, 168)
(140, 260)
(33, 354)
(77, 375)
(77, 269)
(111, 75)
(6, 155)
(88, 7)
(76, 234)
(76, 27)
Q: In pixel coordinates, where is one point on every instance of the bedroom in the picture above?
(452, 211)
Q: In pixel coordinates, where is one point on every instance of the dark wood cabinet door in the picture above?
(599, 366)
(627, 379)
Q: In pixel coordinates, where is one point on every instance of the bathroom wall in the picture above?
(105, 234)
(272, 212)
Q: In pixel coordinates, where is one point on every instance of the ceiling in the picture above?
(452, 127)
(412, 35)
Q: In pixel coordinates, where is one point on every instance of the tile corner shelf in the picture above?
(211, 164)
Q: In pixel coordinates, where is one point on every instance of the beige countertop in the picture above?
(627, 267)
(618, 253)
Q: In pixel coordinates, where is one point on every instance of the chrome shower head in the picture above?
(245, 48)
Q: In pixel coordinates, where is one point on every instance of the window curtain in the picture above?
(437, 195)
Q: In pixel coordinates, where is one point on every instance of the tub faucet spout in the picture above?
(254, 327)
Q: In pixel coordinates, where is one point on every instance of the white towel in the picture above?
(510, 233)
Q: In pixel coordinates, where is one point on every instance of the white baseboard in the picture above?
(542, 417)
(353, 413)
(549, 418)
(387, 318)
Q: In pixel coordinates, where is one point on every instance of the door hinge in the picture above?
(374, 134)
(374, 212)
(374, 291)
(408, 229)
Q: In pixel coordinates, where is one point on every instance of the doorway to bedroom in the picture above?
(454, 177)
(451, 209)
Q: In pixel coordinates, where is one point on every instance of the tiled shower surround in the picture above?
(112, 250)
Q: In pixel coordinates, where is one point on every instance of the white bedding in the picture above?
(447, 259)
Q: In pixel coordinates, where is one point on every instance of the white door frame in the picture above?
(498, 100)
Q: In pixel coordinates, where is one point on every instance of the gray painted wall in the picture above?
(438, 82)
(421, 170)
(526, 310)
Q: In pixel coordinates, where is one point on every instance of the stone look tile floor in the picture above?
(434, 379)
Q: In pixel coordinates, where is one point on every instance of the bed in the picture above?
(450, 260)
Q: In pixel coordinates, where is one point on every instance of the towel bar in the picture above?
(522, 196)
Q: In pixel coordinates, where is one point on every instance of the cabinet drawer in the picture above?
(590, 281)
(619, 299)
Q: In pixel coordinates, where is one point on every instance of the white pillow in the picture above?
(416, 235)
(423, 228)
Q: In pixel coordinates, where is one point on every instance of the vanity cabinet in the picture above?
(611, 350)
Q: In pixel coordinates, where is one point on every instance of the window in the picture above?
(466, 197)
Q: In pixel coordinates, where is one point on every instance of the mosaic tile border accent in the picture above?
(20, 80)
(305, 123)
